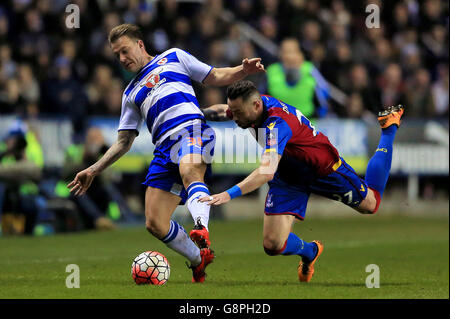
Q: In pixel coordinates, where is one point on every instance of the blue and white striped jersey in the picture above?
(161, 94)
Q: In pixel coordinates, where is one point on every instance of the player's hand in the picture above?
(251, 66)
(81, 182)
(217, 199)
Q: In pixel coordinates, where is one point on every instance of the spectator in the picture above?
(4, 26)
(98, 201)
(98, 88)
(28, 84)
(335, 68)
(65, 95)
(7, 65)
(11, 101)
(112, 100)
(296, 81)
(21, 163)
(367, 91)
(440, 91)
(355, 106)
(419, 96)
(392, 87)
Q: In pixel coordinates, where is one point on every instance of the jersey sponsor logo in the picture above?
(285, 108)
(271, 126)
(381, 150)
(162, 61)
(192, 141)
(362, 188)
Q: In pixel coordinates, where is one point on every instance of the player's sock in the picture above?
(178, 240)
(296, 246)
(197, 190)
(379, 165)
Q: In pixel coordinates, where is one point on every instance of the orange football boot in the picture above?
(200, 235)
(198, 272)
(306, 269)
(391, 116)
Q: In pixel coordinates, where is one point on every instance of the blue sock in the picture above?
(296, 246)
(379, 165)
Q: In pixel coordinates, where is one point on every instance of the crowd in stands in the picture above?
(48, 68)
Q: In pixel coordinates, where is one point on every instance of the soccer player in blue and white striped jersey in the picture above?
(161, 96)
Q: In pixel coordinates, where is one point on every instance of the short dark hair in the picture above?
(127, 29)
(243, 89)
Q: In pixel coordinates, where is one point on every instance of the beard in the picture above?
(244, 125)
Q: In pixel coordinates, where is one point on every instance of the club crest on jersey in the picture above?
(162, 61)
(269, 202)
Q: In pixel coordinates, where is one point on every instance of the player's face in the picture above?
(245, 113)
(130, 53)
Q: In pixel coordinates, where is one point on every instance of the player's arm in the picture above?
(83, 179)
(263, 174)
(217, 112)
(277, 134)
(226, 76)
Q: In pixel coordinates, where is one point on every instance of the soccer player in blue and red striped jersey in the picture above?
(299, 160)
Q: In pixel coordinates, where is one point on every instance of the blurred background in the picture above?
(61, 89)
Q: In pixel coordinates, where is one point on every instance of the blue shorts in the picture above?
(342, 185)
(164, 173)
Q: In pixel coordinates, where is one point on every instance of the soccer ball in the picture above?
(150, 267)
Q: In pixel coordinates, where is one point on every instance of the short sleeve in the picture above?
(130, 117)
(196, 69)
(277, 134)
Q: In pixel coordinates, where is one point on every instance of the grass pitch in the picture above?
(412, 255)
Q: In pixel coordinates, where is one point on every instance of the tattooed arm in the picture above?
(83, 179)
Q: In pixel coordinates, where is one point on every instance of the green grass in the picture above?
(412, 254)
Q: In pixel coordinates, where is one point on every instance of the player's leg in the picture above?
(346, 186)
(283, 205)
(196, 150)
(192, 172)
(379, 165)
(159, 207)
(278, 239)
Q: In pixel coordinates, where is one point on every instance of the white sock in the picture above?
(197, 190)
(178, 240)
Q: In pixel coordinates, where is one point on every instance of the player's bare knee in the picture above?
(272, 246)
(191, 173)
(368, 206)
(155, 228)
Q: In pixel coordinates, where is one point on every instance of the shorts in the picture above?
(343, 185)
(164, 173)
